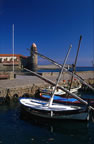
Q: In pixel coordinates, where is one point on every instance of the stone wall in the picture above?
(9, 67)
(18, 91)
(30, 84)
(7, 75)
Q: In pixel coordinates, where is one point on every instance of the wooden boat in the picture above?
(60, 99)
(66, 100)
(53, 110)
(59, 92)
(42, 109)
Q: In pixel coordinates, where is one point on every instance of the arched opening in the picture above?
(15, 97)
(25, 95)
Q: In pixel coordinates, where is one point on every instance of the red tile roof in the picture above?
(9, 55)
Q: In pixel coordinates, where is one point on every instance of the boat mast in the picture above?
(59, 77)
(74, 65)
(13, 44)
(62, 88)
(69, 72)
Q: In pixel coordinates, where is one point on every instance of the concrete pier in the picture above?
(23, 84)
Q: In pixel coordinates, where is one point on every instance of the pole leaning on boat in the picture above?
(59, 76)
(69, 72)
(62, 88)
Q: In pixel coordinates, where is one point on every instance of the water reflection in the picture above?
(16, 127)
(64, 130)
(67, 127)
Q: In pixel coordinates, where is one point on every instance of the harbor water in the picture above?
(16, 128)
(78, 69)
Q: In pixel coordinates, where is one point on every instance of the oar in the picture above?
(69, 72)
(62, 88)
(59, 77)
(74, 65)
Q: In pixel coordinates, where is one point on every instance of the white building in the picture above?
(8, 58)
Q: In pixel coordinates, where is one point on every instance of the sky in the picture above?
(52, 24)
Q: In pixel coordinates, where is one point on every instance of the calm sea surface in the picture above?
(77, 69)
(16, 128)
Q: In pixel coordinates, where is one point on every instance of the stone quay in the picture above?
(28, 84)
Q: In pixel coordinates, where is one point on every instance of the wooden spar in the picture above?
(59, 76)
(62, 88)
(52, 61)
(77, 52)
(69, 72)
(74, 65)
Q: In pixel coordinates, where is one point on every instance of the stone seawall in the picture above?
(51, 66)
(30, 84)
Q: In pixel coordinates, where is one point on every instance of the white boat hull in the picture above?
(56, 111)
(60, 92)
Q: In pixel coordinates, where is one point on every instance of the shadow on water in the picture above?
(58, 126)
(64, 130)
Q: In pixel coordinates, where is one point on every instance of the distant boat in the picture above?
(59, 92)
